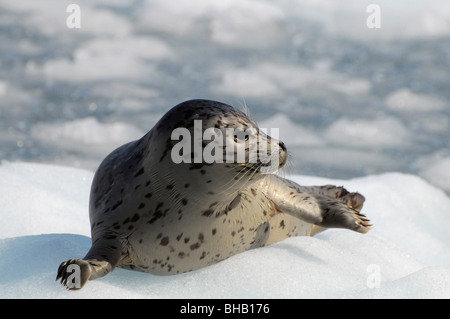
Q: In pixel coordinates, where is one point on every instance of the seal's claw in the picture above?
(363, 223)
(356, 201)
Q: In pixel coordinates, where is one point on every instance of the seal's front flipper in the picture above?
(101, 259)
(74, 273)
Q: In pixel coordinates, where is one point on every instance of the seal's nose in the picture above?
(282, 146)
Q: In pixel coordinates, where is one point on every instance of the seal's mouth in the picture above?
(265, 168)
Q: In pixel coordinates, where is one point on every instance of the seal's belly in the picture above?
(177, 247)
(173, 246)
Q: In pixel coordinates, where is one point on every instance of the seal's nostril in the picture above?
(283, 147)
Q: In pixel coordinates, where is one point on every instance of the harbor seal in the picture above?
(158, 213)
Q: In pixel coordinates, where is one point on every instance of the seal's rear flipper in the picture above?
(337, 214)
(354, 200)
(326, 206)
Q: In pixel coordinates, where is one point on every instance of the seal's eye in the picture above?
(240, 136)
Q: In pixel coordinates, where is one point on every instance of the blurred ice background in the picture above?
(349, 100)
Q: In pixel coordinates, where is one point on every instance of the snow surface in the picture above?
(44, 214)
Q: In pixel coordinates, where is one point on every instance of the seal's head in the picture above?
(224, 145)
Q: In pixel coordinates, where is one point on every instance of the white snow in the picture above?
(44, 214)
